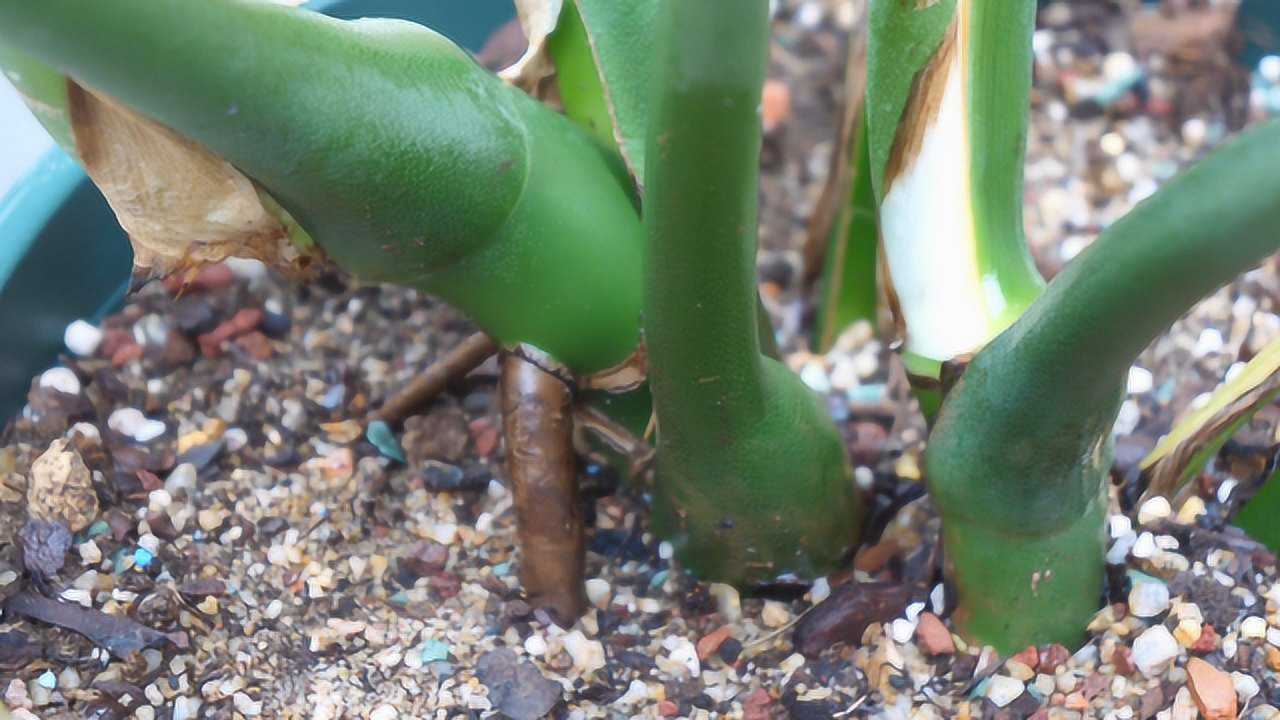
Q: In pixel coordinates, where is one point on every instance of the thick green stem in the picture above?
(405, 160)
(744, 448)
(1022, 442)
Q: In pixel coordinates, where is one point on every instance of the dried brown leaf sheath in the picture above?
(922, 108)
(180, 204)
(538, 19)
(539, 431)
(835, 193)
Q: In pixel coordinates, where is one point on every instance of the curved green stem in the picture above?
(1022, 442)
(744, 447)
(405, 160)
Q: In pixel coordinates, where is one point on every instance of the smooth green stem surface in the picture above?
(1022, 441)
(848, 291)
(405, 160)
(752, 481)
(1000, 60)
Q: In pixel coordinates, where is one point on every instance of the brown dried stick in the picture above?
(538, 424)
(835, 193)
(464, 358)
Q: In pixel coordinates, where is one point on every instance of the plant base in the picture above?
(1016, 591)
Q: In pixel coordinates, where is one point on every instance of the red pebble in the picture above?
(150, 481)
(126, 355)
(1029, 657)
(256, 345)
(242, 322)
(1123, 660)
(112, 340)
(485, 436)
(758, 706)
(1093, 685)
(1207, 642)
(711, 642)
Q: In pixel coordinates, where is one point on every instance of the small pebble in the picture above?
(380, 435)
(1144, 546)
(599, 592)
(1140, 381)
(902, 629)
(1148, 598)
(1210, 341)
(1154, 509)
(1002, 690)
(1153, 650)
(934, 637)
(535, 645)
(1253, 628)
(82, 338)
(728, 602)
(775, 615)
(1119, 525)
(61, 379)
(143, 557)
(1246, 687)
(820, 590)
(1213, 690)
(130, 422)
(181, 479)
(684, 653)
(1191, 509)
(587, 655)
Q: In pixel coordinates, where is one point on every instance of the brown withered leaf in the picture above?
(835, 192)
(538, 20)
(1199, 434)
(181, 205)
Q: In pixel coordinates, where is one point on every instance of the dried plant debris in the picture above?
(538, 20)
(121, 636)
(181, 205)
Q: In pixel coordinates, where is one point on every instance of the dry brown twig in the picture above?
(537, 421)
(467, 356)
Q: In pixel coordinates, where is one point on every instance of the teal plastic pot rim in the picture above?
(32, 204)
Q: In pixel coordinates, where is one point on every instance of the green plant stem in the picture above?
(947, 102)
(404, 159)
(744, 447)
(1022, 443)
(848, 290)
